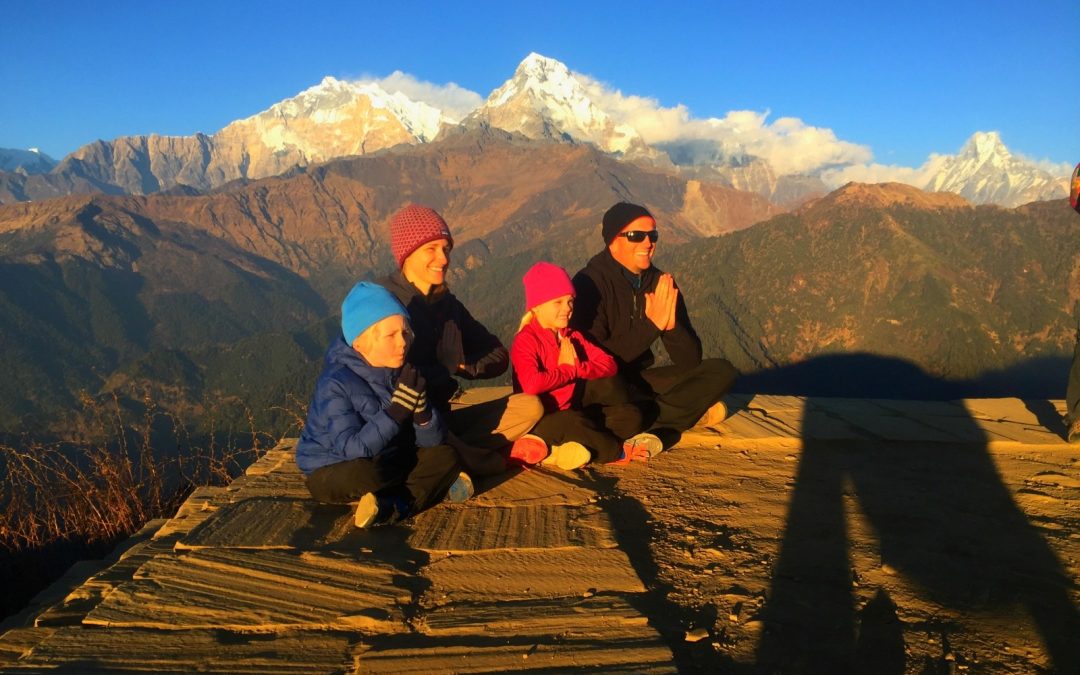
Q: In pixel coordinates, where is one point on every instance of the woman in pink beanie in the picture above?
(553, 362)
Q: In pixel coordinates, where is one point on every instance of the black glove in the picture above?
(423, 411)
(450, 351)
(408, 395)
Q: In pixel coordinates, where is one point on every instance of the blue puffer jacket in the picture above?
(347, 418)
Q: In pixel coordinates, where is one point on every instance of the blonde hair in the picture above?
(525, 319)
(363, 341)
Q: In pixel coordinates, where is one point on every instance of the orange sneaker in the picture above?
(528, 449)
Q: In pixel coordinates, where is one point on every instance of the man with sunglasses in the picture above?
(625, 304)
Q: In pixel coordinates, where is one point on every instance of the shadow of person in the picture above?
(944, 521)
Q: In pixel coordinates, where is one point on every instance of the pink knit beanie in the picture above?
(544, 282)
(414, 226)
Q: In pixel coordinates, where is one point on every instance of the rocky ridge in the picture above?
(937, 537)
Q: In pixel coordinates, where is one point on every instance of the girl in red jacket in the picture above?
(553, 362)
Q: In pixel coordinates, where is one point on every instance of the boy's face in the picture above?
(427, 264)
(385, 343)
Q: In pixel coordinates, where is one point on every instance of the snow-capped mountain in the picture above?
(544, 100)
(332, 119)
(25, 162)
(985, 172)
(335, 119)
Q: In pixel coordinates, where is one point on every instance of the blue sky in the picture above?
(901, 79)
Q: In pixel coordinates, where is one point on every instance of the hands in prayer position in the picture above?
(567, 352)
(660, 304)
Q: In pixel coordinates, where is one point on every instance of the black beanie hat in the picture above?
(619, 216)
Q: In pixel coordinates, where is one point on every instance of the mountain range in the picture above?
(231, 295)
(542, 100)
(96, 289)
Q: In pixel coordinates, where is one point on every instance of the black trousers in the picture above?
(607, 417)
(682, 395)
(421, 477)
(563, 426)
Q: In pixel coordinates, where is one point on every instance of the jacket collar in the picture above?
(342, 354)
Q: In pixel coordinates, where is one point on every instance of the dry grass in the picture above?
(71, 500)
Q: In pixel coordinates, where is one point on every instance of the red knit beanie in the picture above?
(544, 282)
(414, 226)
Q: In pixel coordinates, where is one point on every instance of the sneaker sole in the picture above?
(366, 511)
(538, 444)
(570, 456)
(461, 490)
(651, 442)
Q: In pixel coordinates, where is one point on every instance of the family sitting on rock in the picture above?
(381, 430)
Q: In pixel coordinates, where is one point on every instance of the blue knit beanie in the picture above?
(366, 305)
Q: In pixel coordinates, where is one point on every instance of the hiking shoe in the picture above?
(640, 448)
(650, 443)
(1073, 436)
(568, 456)
(374, 510)
(461, 490)
(715, 415)
(528, 449)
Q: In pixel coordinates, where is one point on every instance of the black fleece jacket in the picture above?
(484, 357)
(610, 309)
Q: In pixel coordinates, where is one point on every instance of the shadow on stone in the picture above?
(945, 521)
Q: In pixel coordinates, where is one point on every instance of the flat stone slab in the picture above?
(283, 484)
(272, 522)
(199, 507)
(520, 575)
(257, 591)
(18, 642)
(594, 617)
(539, 526)
(494, 655)
(77, 650)
(536, 485)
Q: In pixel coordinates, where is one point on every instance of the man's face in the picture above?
(635, 256)
(428, 263)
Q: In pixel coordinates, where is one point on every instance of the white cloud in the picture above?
(789, 144)
(885, 173)
(1062, 169)
(454, 101)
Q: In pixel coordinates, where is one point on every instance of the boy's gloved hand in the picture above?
(409, 394)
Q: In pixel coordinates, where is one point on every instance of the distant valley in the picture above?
(232, 294)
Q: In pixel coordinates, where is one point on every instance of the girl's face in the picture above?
(384, 344)
(555, 313)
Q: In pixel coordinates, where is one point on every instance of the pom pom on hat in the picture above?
(366, 305)
(545, 281)
(619, 216)
(414, 226)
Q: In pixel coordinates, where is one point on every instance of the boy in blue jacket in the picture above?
(370, 434)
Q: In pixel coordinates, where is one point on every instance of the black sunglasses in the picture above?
(638, 236)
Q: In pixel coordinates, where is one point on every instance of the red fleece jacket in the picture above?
(535, 357)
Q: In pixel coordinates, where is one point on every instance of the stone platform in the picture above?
(634, 569)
